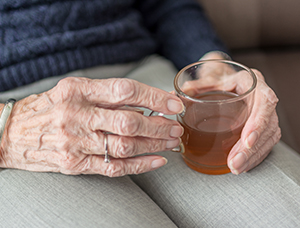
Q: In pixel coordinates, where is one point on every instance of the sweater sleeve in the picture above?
(181, 29)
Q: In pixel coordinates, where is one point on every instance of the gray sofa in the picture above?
(266, 35)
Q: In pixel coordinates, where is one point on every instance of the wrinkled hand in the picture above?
(261, 131)
(62, 130)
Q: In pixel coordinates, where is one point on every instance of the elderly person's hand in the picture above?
(63, 130)
(261, 131)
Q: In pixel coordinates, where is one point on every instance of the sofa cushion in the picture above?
(282, 72)
(255, 23)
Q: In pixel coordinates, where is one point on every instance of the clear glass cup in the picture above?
(218, 96)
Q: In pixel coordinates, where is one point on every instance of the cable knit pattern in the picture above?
(43, 38)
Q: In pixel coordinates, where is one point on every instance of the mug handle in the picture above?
(178, 149)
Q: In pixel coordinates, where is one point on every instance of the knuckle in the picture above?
(66, 83)
(250, 151)
(68, 87)
(260, 150)
(126, 124)
(124, 89)
(74, 164)
(160, 127)
(155, 99)
(138, 168)
(256, 152)
(268, 95)
(125, 148)
(158, 145)
(163, 128)
(258, 74)
(114, 170)
(64, 88)
(118, 169)
(271, 96)
(262, 122)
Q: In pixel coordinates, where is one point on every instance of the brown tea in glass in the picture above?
(208, 139)
(217, 104)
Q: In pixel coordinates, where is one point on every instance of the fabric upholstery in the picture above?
(265, 35)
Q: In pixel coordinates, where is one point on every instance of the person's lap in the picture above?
(267, 195)
(31, 199)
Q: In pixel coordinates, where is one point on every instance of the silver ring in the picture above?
(106, 158)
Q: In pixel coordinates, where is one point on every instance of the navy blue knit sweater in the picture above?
(44, 38)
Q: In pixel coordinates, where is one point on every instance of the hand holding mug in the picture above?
(64, 129)
(261, 132)
(224, 101)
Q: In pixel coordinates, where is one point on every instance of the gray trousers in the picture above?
(172, 196)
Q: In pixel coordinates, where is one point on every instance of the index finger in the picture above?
(119, 92)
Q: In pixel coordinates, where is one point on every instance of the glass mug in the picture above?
(218, 97)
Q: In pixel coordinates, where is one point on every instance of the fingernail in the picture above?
(172, 143)
(176, 131)
(158, 163)
(251, 140)
(237, 163)
(235, 172)
(175, 106)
